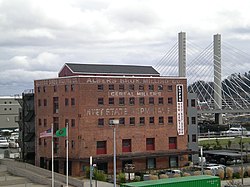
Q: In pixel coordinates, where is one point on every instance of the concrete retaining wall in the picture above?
(38, 175)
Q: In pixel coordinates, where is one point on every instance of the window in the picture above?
(73, 122)
(111, 101)
(121, 87)
(170, 100)
(151, 101)
(122, 121)
(66, 102)
(150, 144)
(160, 87)
(40, 141)
(131, 87)
(142, 120)
(100, 101)
(193, 120)
(55, 88)
(111, 121)
(132, 120)
(38, 89)
(121, 101)
(44, 142)
(151, 120)
(100, 122)
(141, 87)
(72, 87)
(39, 102)
(100, 87)
(101, 147)
(73, 102)
(151, 87)
(111, 87)
(56, 124)
(45, 122)
(172, 142)
(66, 88)
(170, 120)
(56, 144)
(161, 120)
(66, 122)
(193, 137)
(160, 101)
(151, 163)
(192, 102)
(72, 144)
(141, 100)
(45, 102)
(126, 145)
(44, 89)
(39, 122)
(131, 100)
(55, 105)
(170, 88)
(10, 109)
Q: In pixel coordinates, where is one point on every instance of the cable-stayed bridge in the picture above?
(219, 74)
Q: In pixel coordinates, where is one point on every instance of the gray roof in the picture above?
(112, 69)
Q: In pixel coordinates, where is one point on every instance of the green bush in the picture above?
(236, 175)
(121, 178)
(137, 179)
(99, 175)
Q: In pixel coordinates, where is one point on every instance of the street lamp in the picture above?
(114, 122)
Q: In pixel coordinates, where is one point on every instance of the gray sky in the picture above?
(38, 36)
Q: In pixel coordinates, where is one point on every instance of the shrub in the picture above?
(229, 172)
(153, 177)
(197, 173)
(121, 178)
(185, 174)
(163, 176)
(241, 172)
(248, 171)
(236, 175)
(137, 178)
(99, 175)
(208, 172)
(176, 175)
(221, 173)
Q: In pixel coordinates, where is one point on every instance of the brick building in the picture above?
(152, 130)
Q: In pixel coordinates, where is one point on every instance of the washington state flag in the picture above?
(61, 132)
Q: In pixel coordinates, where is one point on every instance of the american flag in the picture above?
(46, 133)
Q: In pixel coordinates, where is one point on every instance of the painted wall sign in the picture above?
(124, 111)
(180, 109)
(133, 94)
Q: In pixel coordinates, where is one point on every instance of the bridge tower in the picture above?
(217, 78)
(182, 54)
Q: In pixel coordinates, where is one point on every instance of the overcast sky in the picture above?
(38, 36)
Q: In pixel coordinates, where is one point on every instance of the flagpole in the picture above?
(67, 156)
(52, 154)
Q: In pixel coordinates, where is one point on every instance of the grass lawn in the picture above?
(224, 142)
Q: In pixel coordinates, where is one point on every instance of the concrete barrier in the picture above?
(37, 174)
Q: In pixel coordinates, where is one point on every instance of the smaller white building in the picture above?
(9, 112)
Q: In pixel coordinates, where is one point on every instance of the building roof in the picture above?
(111, 69)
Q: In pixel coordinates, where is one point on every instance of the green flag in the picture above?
(61, 132)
